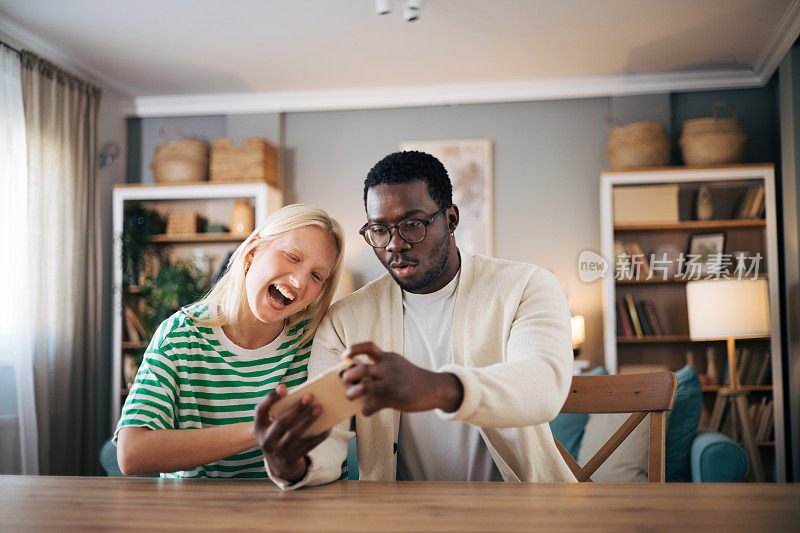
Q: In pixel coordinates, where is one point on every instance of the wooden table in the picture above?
(151, 504)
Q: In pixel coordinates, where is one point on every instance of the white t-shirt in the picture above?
(430, 448)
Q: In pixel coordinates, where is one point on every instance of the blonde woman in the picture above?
(190, 411)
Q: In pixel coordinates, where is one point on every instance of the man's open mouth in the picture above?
(402, 268)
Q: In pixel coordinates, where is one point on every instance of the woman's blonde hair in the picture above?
(229, 296)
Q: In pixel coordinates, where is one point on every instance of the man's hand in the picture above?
(391, 381)
(280, 437)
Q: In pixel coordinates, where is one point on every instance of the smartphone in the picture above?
(329, 392)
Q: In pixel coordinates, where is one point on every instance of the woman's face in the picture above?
(289, 272)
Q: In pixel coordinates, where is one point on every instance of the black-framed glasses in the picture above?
(411, 230)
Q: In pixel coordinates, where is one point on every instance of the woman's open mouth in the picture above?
(280, 296)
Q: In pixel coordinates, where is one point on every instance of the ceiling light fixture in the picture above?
(412, 10)
(383, 7)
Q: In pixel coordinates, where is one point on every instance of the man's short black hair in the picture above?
(402, 167)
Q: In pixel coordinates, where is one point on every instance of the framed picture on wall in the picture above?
(469, 165)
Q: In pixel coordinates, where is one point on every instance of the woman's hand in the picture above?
(391, 381)
(280, 437)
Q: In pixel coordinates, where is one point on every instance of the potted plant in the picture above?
(175, 285)
(138, 227)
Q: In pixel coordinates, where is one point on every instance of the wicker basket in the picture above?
(185, 224)
(715, 124)
(638, 155)
(183, 160)
(640, 144)
(713, 148)
(713, 140)
(255, 160)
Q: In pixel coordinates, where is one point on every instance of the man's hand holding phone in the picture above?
(281, 436)
(390, 380)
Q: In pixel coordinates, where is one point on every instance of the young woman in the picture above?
(190, 411)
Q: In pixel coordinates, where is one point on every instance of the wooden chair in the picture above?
(638, 394)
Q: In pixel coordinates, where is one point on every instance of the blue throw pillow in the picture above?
(568, 427)
(682, 425)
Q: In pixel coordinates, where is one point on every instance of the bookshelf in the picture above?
(626, 349)
(215, 202)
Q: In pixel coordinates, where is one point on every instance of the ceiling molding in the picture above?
(446, 94)
(779, 44)
(24, 39)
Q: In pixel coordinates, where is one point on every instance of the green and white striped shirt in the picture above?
(194, 377)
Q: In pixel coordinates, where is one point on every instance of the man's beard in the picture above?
(430, 276)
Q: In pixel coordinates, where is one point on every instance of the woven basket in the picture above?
(183, 160)
(255, 160)
(185, 224)
(713, 140)
(639, 144)
(713, 148)
(638, 155)
(715, 124)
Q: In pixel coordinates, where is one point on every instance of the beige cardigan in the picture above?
(511, 350)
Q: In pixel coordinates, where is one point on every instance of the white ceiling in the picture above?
(293, 51)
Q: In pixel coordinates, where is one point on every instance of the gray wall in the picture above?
(547, 161)
(110, 128)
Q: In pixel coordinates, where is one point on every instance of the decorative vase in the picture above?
(705, 209)
(711, 366)
(243, 218)
(690, 359)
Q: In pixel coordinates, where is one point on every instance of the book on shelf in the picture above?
(637, 326)
(133, 326)
(644, 320)
(751, 204)
(622, 262)
(637, 318)
(765, 374)
(756, 410)
(742, 359)
(757, 203)
(750, 376)
(639, 265)
(763, 430)
(624, 319)
(650, 310)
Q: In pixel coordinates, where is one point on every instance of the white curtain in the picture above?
(18, 424)
(65, 263)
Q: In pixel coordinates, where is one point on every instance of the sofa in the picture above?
(692, 454)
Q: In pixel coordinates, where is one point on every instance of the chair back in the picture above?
(638, 394)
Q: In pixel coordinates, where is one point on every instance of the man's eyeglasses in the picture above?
(412, 230)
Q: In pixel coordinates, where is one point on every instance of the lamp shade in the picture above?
(722, 309)
(578, 330)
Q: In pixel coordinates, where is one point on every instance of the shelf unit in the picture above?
(757, 235)
(204, 195)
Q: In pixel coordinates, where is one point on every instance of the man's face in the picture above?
(415, 267)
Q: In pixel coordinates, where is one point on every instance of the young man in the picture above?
(486, 353)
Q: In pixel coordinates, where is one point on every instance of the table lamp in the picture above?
(578, 331)
(727, 309)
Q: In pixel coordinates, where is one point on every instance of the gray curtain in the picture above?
(61, 121)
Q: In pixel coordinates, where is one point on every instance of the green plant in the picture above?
(174, 286)
(138, 226)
